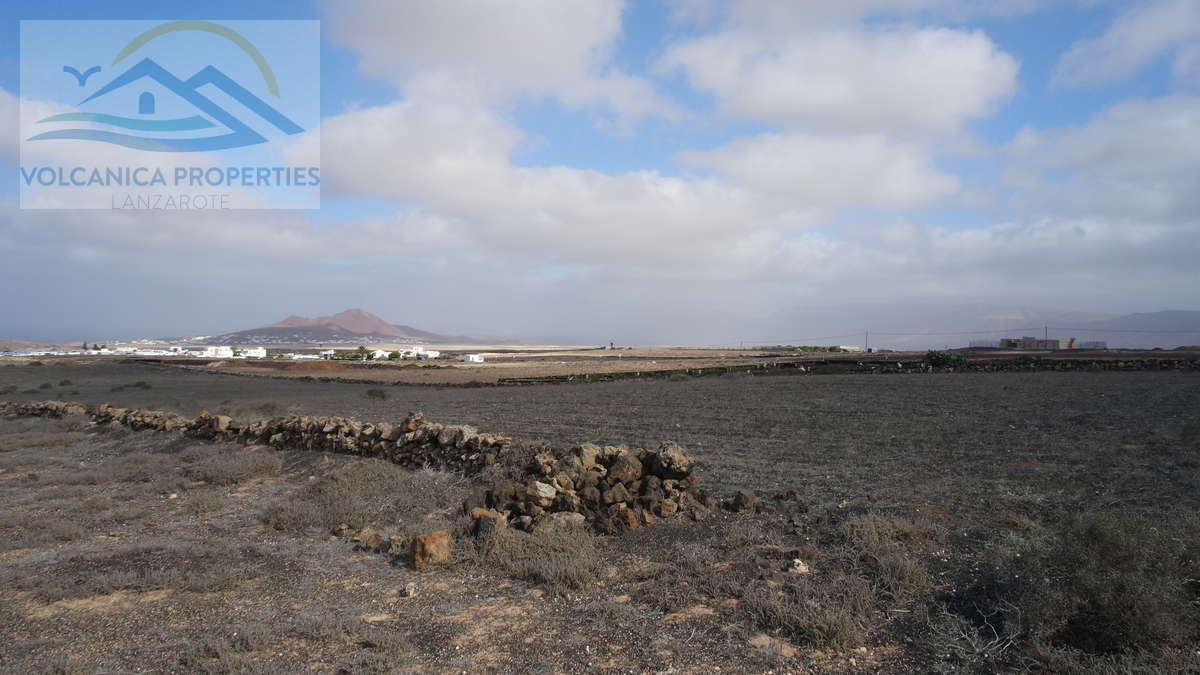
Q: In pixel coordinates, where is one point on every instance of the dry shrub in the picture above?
(885, 545)
(832, 611)
(371, 492)
(878, 533)
(27, 530)
(560, 558)
(1108, 584)
(200, 567)
(53, 440)
(232, 467)
(250, 410)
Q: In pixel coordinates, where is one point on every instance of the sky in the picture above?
(657, 171)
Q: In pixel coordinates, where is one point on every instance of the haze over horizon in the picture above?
(659, 170)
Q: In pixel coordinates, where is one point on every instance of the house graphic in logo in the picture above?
(209, 127)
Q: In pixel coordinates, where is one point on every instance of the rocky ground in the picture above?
(947, 523)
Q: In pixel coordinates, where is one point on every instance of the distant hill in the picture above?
(351, 326)
(921, 326)
(1167, 329)
(7, 345)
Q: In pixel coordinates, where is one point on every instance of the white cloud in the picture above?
(1137, 159)
(225, 235)
(831, 172)
(9, 123)
(455, 161)
(785, 17)
(1080, 262)
(898, 80)
(1136, 38)
(495, 50)
(859, 98)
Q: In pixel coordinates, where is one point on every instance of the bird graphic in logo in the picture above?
(82, 78)
(210, 115)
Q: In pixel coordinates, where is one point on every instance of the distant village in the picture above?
(1038, 344)
(415, 352)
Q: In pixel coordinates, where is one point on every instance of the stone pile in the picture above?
(613, 488)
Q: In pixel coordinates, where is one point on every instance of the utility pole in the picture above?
(1046, 334)
(867, 341)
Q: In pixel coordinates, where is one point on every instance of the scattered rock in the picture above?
(744, 500)
(628, 518)
(368, 538)
(486, 521)
(617, 495)
(773, 645)
(561, 520)
(672, 462)
(542, 492)
(414, 421)
(625, 469)
(397, 545)
(690, 614)
(432, 548)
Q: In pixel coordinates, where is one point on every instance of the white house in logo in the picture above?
(207, 127)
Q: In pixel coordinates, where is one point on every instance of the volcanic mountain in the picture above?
(7, 345)
(350, 326)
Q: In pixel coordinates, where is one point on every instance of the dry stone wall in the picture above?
(612, 488)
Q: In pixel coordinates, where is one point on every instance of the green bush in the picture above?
(940, 359)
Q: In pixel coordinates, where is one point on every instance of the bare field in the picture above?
(519, 364)
(946, 523)
(509, 363)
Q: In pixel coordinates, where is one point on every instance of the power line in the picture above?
(1128, 330)
(1026, 329)
(786, 341)
(963, 332)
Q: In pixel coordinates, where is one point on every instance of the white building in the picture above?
(473, 358)
(255, 352)
(215, 352)
(380, 355)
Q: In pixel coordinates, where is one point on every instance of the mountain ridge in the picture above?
(347, 326)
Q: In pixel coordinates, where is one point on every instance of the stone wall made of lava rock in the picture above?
(612, 488)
